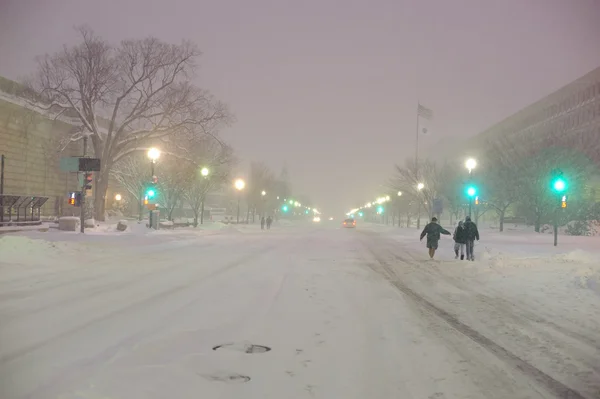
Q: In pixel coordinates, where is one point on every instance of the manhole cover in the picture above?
(230, 378)
(244, 348)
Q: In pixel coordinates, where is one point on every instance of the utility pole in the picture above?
(84, 182)
(2, 157)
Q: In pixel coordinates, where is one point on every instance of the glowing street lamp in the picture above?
(239, 185)
(204, 172)
(420, 186)
(263, 193)
(470, 164)
(399, 193)
(118, 197)
(153, 154)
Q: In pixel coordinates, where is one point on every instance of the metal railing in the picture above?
(21, 210)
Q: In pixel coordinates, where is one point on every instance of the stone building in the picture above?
(30, 142)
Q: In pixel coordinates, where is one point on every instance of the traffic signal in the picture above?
(559, 183)
(380, 209)
(563, 202)
(360, 214)
(150, 194)
(285, 209)
(471, 191)
(75, 198)
(477, 200)
(88, 180)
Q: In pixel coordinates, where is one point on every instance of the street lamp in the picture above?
(420, 186)
(239, 185)
(263, 193)
(153, 154)
(470, 164)
(118, 197)
(204, 172)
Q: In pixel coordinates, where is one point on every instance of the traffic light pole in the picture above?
(150, 211)
(556, 227)
(82, 201)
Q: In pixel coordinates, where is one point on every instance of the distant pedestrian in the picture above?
(460, 240)
(262, 223)
(269, 222)
(433, 231)
(471, 234)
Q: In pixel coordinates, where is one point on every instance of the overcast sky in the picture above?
(331, 86)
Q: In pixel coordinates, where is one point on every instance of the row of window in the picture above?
(553, 113)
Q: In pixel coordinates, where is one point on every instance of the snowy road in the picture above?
(346, 313)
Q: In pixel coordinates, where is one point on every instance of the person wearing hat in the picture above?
(433, 231)
(471, 234)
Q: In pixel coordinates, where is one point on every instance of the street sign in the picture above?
(89, 164)
(69, 164)
(77, 164)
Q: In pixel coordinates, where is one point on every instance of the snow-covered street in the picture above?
(355, 313)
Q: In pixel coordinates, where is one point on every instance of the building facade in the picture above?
(569, 117)
(30, 143)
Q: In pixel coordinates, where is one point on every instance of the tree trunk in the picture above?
(501, 214)
(202, 212)
(100, 194)
(195, 218)
(538, 223)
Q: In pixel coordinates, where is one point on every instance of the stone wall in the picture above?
(30, 143)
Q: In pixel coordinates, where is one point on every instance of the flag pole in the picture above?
(417, 167)
(417, 142)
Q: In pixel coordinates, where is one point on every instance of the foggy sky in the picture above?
(331, 87)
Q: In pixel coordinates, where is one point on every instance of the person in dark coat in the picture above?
(269, 222)
(471, 234)
(262, 223)
(433, 231)
(460, 240)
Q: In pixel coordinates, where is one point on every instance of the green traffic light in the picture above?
(559, 185)
(380, 209)
(150, 193)
(360, 214)
(285, 208)
(471, 191)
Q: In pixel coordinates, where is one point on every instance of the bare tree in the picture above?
(125, 96)
(261, 179)
(218, 159)
(502, 182)
(132, 173)
(407, 180)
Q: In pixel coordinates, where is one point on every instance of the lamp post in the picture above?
(153, 154)
(239, 186)
(470, 164)
(399, 208)
(204, 172)
(420, 187)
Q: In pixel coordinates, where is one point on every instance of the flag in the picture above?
(424, 112)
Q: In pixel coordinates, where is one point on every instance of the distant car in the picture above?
(349, 223)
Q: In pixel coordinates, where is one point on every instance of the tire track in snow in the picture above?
(10, 356)
(556, 387)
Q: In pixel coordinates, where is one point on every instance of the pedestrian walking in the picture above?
(269, 222)
(460, 240)
(471, 234)
(433, 231)
(262, 223)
